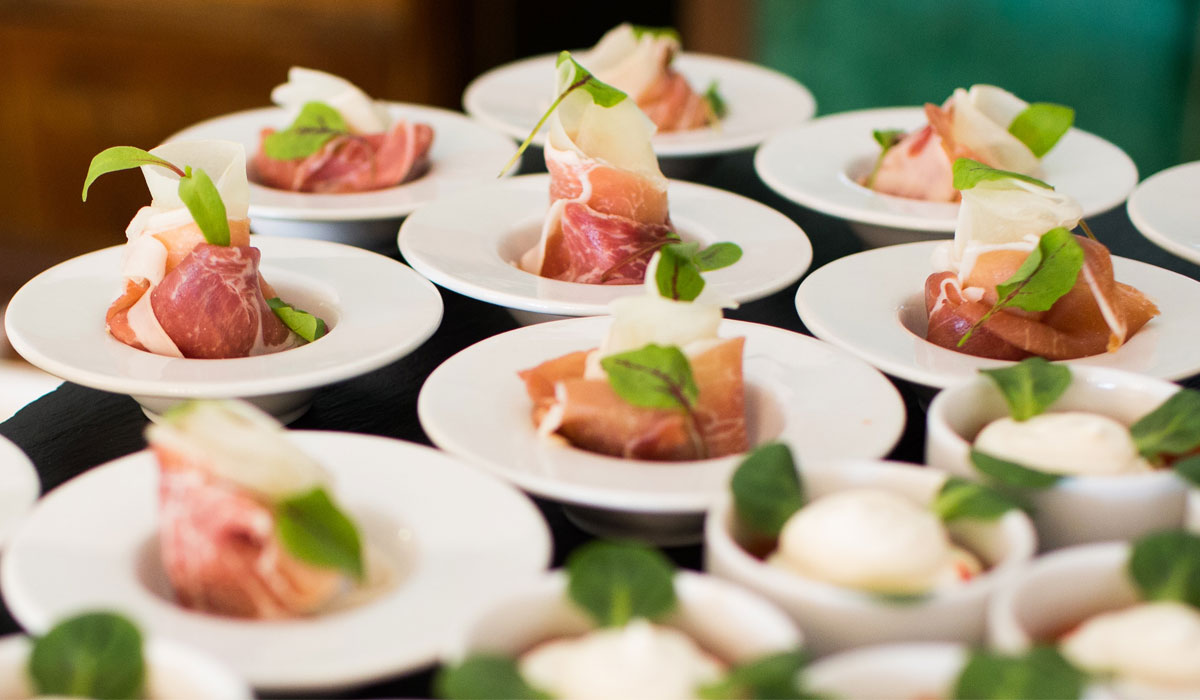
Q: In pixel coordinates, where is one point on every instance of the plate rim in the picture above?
(1143, 221)
(25, 480)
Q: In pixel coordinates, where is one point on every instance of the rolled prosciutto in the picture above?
(637, 61)
(970, 124)
(608, 211)
(224, 466)
(369, 153)
(181, 296)
(1000, 223)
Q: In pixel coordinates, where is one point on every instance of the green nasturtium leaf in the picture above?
(716, 102)
(717, 256)
(300, 322)
(110, 160)
(1030, 386)
(654, 376)
(1040, 674)
(963, 499)
(886, 138)
(767, 489)
(1166, 566)
(1171, 429)
(203, 201)
(484, 677)
(775, 676)
(615, 582)
(1041, 125)
(316, 125)
(93, 655)
(314, 530)
(680, 264)
(1012, 474)
(969, 173)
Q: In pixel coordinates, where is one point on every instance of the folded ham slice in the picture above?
(590, 415)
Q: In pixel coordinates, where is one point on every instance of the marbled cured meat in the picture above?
(596, 248)
(350, 163)
(917, 167)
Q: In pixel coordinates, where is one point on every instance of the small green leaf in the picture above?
(1041, 125)
(484, 677)
(300, 322)
(767, 489)
(1030, 386)
(93, 655)
(1189, 469)
(886, 138)
(1166, 566)
(122, 158)
(774, 676)
(1171, 429)
(1011, 473)
(717, 256)
(715, 101)
(314, 530)
(968, 173)
(959, 498)
(316, 125)
(615, 582)
(640, 31)
(677, 276)
(654, 376)
(200, 196)
(1040, 674)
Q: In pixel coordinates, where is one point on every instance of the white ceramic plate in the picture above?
(469, 243)
(817, 165)
(513, 97)
(464, 154)
(1165, 209)
(821, 401)
(873, 304)
(450, 537)
(19, 488)
(378, 310)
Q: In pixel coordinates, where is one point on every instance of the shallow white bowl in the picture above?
(19, 488)
(430, 523)
(820, 400)
(915, 670)
(1076, 509)
(835, 618)
(378, 310)
(173, 672)
(470, 243)
(1164, 208)
(464, 154)
(513, 97)
(818, 164)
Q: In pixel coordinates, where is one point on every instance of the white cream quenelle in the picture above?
(362, 114)
(1073, 443)
(639, 660)
(1151, 649)
(872, 540)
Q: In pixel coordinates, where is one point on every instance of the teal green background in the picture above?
(1126, 66)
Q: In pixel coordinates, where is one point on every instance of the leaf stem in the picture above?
(1087, 229)
(529, 139)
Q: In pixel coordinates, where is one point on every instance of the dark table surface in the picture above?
(75, 428)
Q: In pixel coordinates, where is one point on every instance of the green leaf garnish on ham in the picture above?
(680, 264)
(640, 31)
(1041, 125)
(886, 138)
(968, 173)
(316, 125)
(300, 322)
(314, 530)
(1030, 386)
(657, 377)
(715, 101)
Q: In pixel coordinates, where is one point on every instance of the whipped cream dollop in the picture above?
(629, 62)
(872, 540)
(639, 660)
(362, 114)
(237, 442)
(1071, 442)
(1152, 644)
(982, 116)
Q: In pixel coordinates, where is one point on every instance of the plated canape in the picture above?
(866, 552)
(620, 622)
(1128, 613)
(19, 488)
(427, 524)
(1162, 209)
(1086, 451)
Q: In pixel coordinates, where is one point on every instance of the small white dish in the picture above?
(821, 401)
(19, 488)
(914, 670)
(432, 520)
(1077, 509)
(1164, 208)
(836, 618)
(464, 154)
(470, 243)
(173, 672)
(873, 304)
(377, 309)
(512, 98)
(817, 165)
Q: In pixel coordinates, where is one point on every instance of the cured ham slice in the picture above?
(590, 415)
(917, 167)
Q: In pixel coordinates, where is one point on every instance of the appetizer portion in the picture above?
(637, 61)
(248, 528)
(1016, 283)
(662, 385)
(985, 123)
(340, 140)
(608, 210)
